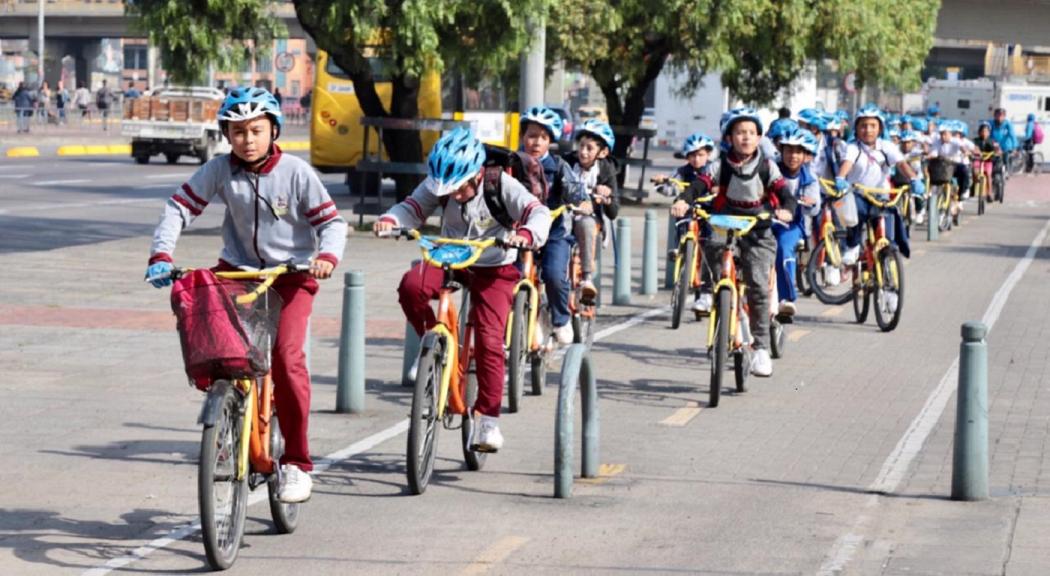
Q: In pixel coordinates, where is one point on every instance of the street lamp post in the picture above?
(40, 42)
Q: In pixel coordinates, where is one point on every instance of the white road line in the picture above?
(372, 441)
(59, 206)
(13, 176)
(152, 186)
(178, 176)
(58, 182)
(909, 446)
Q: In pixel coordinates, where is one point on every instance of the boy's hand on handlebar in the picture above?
(679, 208)
(321, 269)
(585, 207)
(517, 241)
(381, 227)
(161, 272)
(784, 215)
(602, 194)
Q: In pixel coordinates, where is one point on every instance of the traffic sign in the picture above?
(284, 62)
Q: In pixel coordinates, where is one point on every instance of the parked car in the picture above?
(567, 126)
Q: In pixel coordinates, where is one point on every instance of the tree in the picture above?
(477, 38)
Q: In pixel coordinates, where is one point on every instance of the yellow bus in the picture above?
(336, 134)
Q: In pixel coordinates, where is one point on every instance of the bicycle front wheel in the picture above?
(475, 460)
(519, 351)
(285, 516)
(681, 286)
(221, 496)
(861, 301)
(889, 297)
(538, 375)
(423, 424)
(830, 283)
(719, 361)
(944, 205)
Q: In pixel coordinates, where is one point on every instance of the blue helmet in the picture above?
(549, 119)
(919, 124)
(907, 119)
(781, 127)
(813, 117)
(247, 103)
(894, 133)
(695, 142)
(801, 138)
(842, 115)
(732, 117)
(870, 111)
(455, 158)
(598, 129)
(933, 110)
(909, 136)
(984, 124)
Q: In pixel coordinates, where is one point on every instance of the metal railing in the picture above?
(52, 119)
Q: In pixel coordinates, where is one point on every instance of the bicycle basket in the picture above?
(220, 338)
(941, 171)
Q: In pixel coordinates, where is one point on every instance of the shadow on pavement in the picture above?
(29, 234)
(847, 489)
(152, 451)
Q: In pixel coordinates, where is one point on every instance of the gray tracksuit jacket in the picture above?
(281, 213)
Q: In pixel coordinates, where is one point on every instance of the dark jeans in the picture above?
(555, 271)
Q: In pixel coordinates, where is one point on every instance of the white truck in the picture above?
(175, 122)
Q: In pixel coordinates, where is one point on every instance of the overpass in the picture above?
(999, 21)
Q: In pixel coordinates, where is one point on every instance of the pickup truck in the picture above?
(175, 122)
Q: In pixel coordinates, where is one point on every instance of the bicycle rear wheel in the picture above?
(861, 302)
(944, 206)
(538, 374)
(680, 293)
(819, 271)
(723, 302)
(222, 498)
(998, 187)
(802, 257)
(582, 329)
(423, 424)
(519, 351)
(982, 188)
(475, 460)
(776, 339)
(285, 516)
(889, 298)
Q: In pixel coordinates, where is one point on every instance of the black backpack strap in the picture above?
(492, 191)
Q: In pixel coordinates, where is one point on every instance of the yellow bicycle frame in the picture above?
(728, 283)
(882, 243)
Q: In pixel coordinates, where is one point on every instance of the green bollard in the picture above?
(931, 218)
(649, 263)
(970, 453)
(622, 277)
(411, 349)
(672, 252)
(350, 389)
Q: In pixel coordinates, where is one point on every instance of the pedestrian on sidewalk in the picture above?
(23, 107)
(61, 99)
(43, 102)
(82, 99)
(103, 101)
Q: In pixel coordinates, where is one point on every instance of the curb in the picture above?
(114, 149)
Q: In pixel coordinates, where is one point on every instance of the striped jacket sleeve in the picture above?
(414, 210)
(321, 212)
(181, 209)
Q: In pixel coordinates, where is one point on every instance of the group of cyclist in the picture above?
(278, 211)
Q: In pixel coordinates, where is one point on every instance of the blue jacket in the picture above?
(23, 99)
(1003, 133)
(1029, 129)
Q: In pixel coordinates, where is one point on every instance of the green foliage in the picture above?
(192, 34)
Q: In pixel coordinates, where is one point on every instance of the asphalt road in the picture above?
(839, 463)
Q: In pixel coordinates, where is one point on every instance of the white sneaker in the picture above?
(296, 485)
(563, 334)
(761, 363)
(703, 303)
(920, 217)
(849, 257)
(832, 275)
(489, 438)
(787, 308)
(891, 300)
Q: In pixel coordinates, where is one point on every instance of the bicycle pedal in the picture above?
(785, 319)
(482, 449)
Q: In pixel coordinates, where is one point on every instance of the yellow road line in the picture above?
(494, 554)
(833, 311)
(796, 335)
(605, 471)
(683, 415)
(23, 152)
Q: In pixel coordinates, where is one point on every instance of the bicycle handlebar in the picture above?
(830, 189)
(477, 246)
(895, 195)
(267, 275)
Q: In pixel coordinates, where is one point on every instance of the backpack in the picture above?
(726, 173)
(215, 342)
(1037, 134)
(524, 168)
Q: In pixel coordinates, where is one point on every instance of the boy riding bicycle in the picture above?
(277, 212)
(696, 150)
(597, 172)
(797, 149)
(456, 170)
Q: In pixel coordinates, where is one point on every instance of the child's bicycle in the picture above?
(728, 328)
(583, 313)
(943, 191)
(530, 337)
(827, 276)
(241, 444)
(688, 258)
(445, 384)
(880, 270)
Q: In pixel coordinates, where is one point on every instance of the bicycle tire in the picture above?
(285, 515)
(220, 448)
(892, 272)
(519, 351)
(742, 368)
(980, 200)
(861, 303)
(723, 302)
(776, 339)
(474, 460)
(1015, 163)
(423, 424)
(802, 257)
(944, 214)
(999, 186)
(815, 274)
(582, 329)
(538, 372)
(680, 293)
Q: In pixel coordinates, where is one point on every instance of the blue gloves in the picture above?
(160, 269)
(918, 187)
(841, 184)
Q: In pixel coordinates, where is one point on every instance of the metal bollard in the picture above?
(672, 251)
(576, 372)
(932, 218)
(411, 348)
(622, 277)
(649, 265)
(350, 390)
(970, 453)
